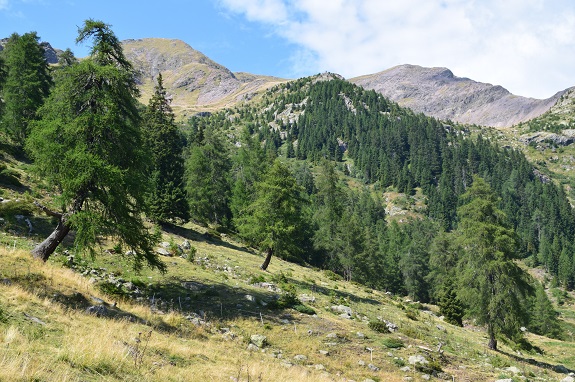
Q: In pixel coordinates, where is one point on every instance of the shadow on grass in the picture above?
(544, 365)
(207, 237)
(335, 293)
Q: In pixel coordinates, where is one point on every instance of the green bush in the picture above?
(9, 176)
(332, 275)
(392, 343)
(378, 326)
(16, 207)
(304, 309)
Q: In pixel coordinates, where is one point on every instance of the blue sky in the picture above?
(527, 46)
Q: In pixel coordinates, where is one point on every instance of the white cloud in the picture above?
(3, 5)
(528, 46)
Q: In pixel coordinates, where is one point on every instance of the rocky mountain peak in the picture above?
(439, 93)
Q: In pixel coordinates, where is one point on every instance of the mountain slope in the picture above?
(195, 82)
(437, 92)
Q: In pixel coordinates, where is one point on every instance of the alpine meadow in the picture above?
(165, 219)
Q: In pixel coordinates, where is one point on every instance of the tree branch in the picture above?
(48, 211)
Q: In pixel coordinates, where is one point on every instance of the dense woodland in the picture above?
(299, 173)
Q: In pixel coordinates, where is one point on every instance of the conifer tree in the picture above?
(274, 221)
(167, 197)
(88, 144)
(543, 318)
(208, 178)
(28, 83)
(492, 286)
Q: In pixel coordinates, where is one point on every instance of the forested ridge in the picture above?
(299, 173)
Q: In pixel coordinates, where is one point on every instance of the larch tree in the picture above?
(492, 286)
(274, 221)
(28, 83)
(88, 144)
(166, 198)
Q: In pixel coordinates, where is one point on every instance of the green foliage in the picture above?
(208, 178)
(166, 197)
(191, 254)
(274, 221)
(392, 343)
(9, 176)
(332, 276)
(378, 326)
(543, 319)
(492, 286)
(27, 84)
(11, 208)
(304, 309)
(88, 143)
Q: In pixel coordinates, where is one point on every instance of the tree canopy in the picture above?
(88, 144)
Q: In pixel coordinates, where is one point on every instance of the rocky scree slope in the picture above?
(191, 78)
(439, 93)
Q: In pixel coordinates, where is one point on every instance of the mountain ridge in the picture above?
(439, 93)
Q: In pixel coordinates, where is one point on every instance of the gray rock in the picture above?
(361, 362)
(252, 347)
(360, 335)
(342, 309)
(405, 369)
(568, 379)
(324, 352)
(368, 380)
(163, 252)
(319, 367)
(372, 367)
(306, 299)
(504, 380)
(426, 377)
(513, 369)
(417, 360)
(250, 298)
(99, 311)
(259, 340)
(331, 335)
(186, 245)
(300, 358)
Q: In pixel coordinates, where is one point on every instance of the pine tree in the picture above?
(167, 197)
(28, 83)
(88, 144)
(491, 285)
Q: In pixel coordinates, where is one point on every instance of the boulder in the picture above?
(259, 340)
(300, 358)
(417, 360)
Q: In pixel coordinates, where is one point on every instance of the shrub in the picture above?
(378, 326)
(393, 343)
(332, 275)
(191, 255)
(304, 309)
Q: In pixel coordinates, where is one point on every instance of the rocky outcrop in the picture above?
(439, 93)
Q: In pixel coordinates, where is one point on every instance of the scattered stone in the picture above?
(405, 369)
(163, 252)
(300, 358)
(331, 343)
(5, 281)
(99, 311)
(360, 335)
(407, 379)
(324, 352)
(319, 367)
(390, 354)
(368, 380)
(505, 380)
(342, 309)
(192, 285)
(417, 359)
(568, 379)
(259, 340)
(331, 335)
(426, 377)
(250, 298)
(441, 328)
(361, 362)
(286, 364)
(306, 298)
(372, 367)
(513, 369)
(165, 244)
(186, 245)
(252, 347)
(34, 319)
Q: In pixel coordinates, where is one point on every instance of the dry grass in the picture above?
(163, 345)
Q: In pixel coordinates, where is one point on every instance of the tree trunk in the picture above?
(48, 246)
(492, 341)
(270, 252)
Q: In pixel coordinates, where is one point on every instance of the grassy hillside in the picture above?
(195, 323)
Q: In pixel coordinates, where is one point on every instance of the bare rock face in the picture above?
(437, 92)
